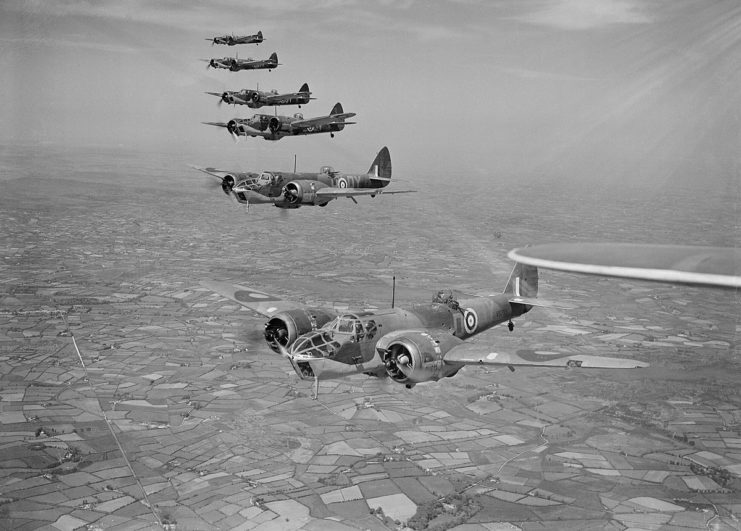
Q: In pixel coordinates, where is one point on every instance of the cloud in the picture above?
(585, 14)
(526, 73)
(68, 43)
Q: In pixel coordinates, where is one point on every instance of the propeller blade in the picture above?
(235, 137)
(283, 351)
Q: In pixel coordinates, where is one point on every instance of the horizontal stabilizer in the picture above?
(217, 124)
(468, 354)
(532, 301)
(257, 301)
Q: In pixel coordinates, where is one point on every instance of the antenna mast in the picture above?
(393, 291)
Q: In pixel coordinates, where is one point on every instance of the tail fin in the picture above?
(274, 57)
(523, 281)
(337, 109)
(381, 166)
(304, 88)
(259, 34)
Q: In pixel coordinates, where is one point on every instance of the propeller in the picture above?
(399, 361)
(232, 127)
(274, 125)
(289, 195)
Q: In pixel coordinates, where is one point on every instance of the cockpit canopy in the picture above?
(327, 341)
(317, 344)
(327, 170)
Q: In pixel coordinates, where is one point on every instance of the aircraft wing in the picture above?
(260, 302)
(468, 354)
(213, 172)
(352, 192)
(333, 119)
(680, 264)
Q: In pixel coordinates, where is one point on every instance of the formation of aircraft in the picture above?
(235, 64)
(231, 40)
(677, 264)
(272, 127)
(420, 344)
(294, 190)
(255, 99)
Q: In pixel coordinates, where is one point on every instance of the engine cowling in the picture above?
(415, 356)
(285, 327)
(301, 192)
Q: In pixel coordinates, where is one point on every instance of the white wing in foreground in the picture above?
(680, 264)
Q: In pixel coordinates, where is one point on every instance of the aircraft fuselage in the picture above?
(350, 344)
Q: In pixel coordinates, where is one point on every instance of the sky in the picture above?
(586, 91)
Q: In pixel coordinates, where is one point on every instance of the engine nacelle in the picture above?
(414, 356)
(285, 327)
(302, 192)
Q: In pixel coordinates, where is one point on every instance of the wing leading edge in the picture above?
(351, 192)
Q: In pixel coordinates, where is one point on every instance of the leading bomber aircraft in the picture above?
(419, 344)
(235, 64)
(272, 127)
(231, 40)
(254, 99)
(294, 190)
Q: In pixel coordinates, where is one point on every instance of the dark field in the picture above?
(218, 433)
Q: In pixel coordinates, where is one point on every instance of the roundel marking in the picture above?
(470, 320)
(249, 296)
(342, 183)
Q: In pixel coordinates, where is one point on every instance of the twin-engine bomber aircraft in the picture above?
(294, 190)
(420, 344)
(254, 99)
(276, 127)
(231, 40)
(235, 63)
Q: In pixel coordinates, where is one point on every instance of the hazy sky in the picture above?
(596, 90)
